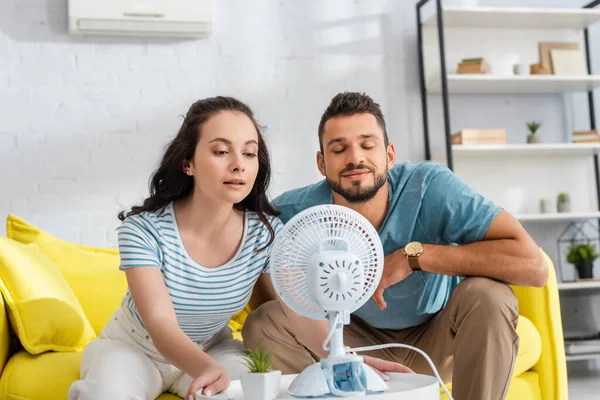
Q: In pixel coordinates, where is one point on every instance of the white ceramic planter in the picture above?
(261, 386)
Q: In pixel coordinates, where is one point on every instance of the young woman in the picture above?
(192, 253)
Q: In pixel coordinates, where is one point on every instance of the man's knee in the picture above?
(488, 299)
(262, 323)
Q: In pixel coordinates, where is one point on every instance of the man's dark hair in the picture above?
(350, 103)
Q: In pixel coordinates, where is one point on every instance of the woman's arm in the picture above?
(154, 304)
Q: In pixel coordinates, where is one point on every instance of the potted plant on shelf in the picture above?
(533, 136)
(583, 256)
(563, 203)
(260, 383)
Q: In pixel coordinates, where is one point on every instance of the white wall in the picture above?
(84, 120)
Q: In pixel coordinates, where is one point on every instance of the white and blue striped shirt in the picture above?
(204, 298)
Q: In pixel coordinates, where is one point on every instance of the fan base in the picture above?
(341, 376)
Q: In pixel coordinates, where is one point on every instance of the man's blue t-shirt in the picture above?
(427, 203)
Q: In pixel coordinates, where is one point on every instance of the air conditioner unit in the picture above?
(184, 18)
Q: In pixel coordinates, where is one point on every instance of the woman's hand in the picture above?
(212, 379)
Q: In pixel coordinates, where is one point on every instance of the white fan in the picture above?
(326, 263)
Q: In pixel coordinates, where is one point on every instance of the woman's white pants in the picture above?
(123, 364)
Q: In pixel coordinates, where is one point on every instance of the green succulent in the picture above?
(563, 197)
(581, 253)
(533, 126)
(258, 361)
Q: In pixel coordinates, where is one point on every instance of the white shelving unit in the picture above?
(582, 357)
(516, 18)
(521, 150)
(484, 84)
(502, 172)
(593, 285)
(550, 217)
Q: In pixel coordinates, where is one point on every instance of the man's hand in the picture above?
(395, 269)
(382, 366)
(212, 380)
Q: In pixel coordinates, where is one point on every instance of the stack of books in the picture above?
(473, 66)
(590, 136)
(479, 136)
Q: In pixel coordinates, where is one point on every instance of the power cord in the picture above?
(385, 346)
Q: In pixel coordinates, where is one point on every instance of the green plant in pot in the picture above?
(533, 136)
(260, 383)
(563, 203)
(582, 256)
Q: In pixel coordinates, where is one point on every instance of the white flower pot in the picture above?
(261, 386)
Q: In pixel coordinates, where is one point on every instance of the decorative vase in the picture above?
(585, 270)
(533, 138)
(545, 206)
(563, 206)
(261, 386)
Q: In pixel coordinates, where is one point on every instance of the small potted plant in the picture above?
(582, 256)
(563, 204)
(533, 137)
(260, 383)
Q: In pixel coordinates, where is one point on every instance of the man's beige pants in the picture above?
(472, 342)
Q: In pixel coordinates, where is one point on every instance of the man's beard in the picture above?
(356, 194)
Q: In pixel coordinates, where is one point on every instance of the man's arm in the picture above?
(506, 253)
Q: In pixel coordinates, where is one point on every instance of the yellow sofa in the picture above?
(540, 370)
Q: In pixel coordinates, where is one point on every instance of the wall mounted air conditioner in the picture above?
(184, 18)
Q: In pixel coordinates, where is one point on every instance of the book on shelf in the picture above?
(479, 136)
(590, 136)
(473, 66)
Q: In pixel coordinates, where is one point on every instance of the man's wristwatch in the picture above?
(413, 250)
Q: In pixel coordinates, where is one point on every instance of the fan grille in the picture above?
(301, 239)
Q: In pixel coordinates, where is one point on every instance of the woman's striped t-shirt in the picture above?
(204, 299)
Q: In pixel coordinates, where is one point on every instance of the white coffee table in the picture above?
(401, 386)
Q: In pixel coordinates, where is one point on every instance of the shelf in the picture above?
(578, 285)
(572, 216)
(520, 18)
(487, 84)
(580, 357)
(541, 149)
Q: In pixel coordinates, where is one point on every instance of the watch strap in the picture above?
(413, 263)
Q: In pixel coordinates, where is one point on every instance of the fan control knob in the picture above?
(342, 281)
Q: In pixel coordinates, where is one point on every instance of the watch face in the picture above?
(414, 248)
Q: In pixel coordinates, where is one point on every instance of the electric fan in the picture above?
(326, 263)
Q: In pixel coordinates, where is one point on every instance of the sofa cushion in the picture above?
(42, 308)
(92, 273)
(46, 376)
(530, 346)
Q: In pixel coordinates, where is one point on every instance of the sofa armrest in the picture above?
(542, 307)
(5, 335)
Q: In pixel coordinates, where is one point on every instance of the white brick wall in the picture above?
(83, 120)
